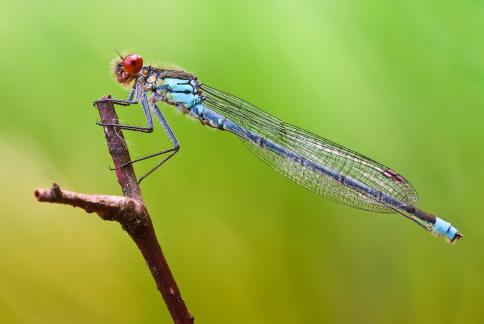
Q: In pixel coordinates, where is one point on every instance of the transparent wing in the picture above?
(316, 149)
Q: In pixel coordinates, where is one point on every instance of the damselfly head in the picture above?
(126, 68)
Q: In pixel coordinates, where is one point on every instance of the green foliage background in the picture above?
(400, 81)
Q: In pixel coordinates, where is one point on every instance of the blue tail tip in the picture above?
(446, 230)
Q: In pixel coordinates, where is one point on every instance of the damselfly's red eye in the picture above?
(133, 63)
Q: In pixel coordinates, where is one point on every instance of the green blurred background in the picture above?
(400, 81)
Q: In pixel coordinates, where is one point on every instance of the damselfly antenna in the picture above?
(119, 54)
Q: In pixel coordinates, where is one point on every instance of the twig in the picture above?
(129, 211)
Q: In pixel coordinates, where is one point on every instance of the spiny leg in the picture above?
(129, 101)
(120, 102)
(146, 157)
(171, 135)
(171, 151)
(146, 110)
(168, 130)
(174, 151)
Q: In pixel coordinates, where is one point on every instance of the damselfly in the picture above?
(311, 161)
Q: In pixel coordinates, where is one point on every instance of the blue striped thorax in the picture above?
(188, 100)
(178, 91)
(177, 85)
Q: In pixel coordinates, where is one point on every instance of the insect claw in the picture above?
(120, 167)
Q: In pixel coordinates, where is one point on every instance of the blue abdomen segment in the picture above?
(208, 116)
(445, 229)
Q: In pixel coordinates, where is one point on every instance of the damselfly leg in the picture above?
(171, 151)
(171, 136)
(121, 102)
(146, 111)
